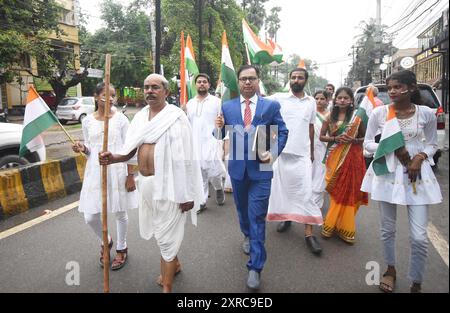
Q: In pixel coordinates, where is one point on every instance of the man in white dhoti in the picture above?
(170, 181)
(202, 112)
(291, 190)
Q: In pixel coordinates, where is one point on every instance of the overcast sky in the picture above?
(325, 30)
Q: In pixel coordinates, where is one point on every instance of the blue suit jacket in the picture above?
(242, 157)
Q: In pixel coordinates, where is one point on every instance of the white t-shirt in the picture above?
(298, 114)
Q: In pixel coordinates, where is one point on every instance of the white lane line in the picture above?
(38, 220)
(439, 243)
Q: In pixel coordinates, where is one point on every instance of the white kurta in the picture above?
(202, 116)
(420, 135)
(177, 176)
(319, 168)
(119, 199)
(292, 172)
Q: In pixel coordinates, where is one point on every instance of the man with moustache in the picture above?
(292, 182)
(170, 181)
(202, 112)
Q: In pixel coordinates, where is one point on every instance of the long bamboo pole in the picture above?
(105, 178)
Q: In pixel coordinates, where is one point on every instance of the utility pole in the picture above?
(158, 36)
(200, 34)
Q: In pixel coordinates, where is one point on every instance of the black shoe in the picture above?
(313, 245)
(283, 226)
(202, 208)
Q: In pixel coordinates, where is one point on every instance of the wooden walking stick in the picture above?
(105, 179)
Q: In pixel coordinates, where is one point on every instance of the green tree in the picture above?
(255, 12)
(315, 82)
(127, 38)
(25, 26)
(218, 15)
(273, 22)
(372, 44)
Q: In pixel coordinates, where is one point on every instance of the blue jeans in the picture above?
(252, 201)
(418, 221)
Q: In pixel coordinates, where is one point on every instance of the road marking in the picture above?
(39, 220)
(439, 243)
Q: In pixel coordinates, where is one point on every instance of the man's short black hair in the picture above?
(248, 67)
(331, 85)
(300, 69)
(204, 76)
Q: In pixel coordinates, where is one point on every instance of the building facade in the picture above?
(432, 59)
(13, 95)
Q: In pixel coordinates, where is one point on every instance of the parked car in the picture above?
(75, 109)
(429, 99)
(3, 115)
(10, 137)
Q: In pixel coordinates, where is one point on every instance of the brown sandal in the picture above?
(110, 245)
(117, 263)
(387, 283)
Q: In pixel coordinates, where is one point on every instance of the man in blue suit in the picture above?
(251, 176)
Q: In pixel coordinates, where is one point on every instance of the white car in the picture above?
(74, 109)
(10, 137)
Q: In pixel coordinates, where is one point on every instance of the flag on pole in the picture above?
(191, 69)
(183, 91)
(391, 140)
(277, 51)
(38, 118)
(229, 85)
(260, 53)
(366, 107)
(262, 89)
(302, 64)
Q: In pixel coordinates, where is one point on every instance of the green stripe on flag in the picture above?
(36, 127)
(386, 146)
(363, 115)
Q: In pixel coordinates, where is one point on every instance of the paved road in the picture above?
(35, 259)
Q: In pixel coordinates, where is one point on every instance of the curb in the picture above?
(31, 186)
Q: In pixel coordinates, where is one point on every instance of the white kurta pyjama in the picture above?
(177, 177)
(319, 168)
(292, 179)
(119, 200)
(420, 135)
(202, 116)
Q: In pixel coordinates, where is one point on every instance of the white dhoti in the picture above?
(162, 219)
(292, 191)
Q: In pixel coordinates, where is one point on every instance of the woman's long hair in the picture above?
(98, 90)
(334, 117)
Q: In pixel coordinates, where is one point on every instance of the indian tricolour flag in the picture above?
(228, 82)
(38, 118)
(259, 52)
(191, 68)
(366, 107)
(391, 140)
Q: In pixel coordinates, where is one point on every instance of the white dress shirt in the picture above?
(253, 103)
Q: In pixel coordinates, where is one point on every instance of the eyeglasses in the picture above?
(152, 87)
(250, 79)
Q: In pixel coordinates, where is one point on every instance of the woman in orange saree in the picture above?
(345, 167)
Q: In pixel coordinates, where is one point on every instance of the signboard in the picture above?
(407, 62)
(94, 73)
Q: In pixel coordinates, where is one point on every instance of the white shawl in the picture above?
(177, 172)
